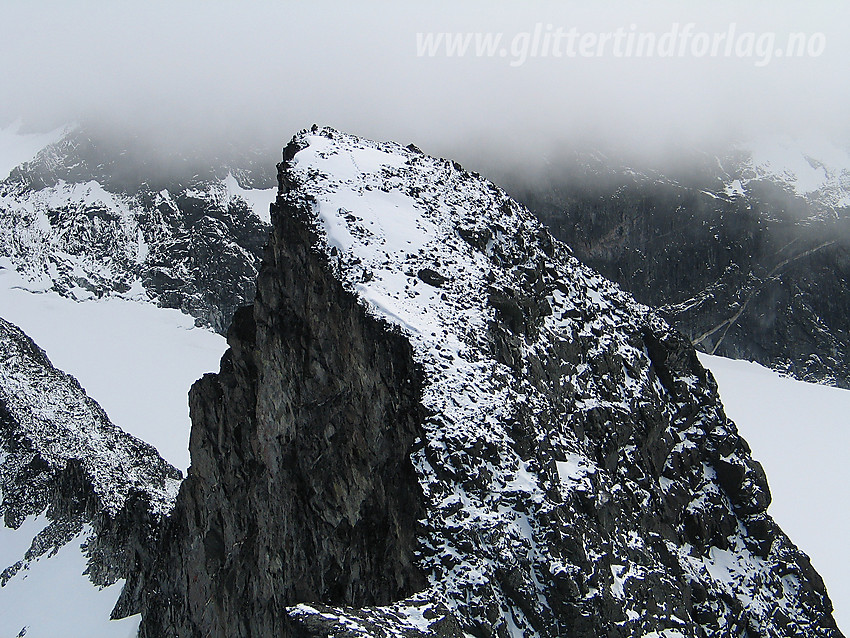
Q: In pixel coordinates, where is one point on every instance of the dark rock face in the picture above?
(90, 216)
(527, 451)
(762, 275)
(61, 456)
(301, 486)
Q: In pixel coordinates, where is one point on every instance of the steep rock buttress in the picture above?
(434, 420)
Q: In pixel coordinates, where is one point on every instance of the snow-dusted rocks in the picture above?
(435, 421)
(89, 217)
(49, 422)
(65, 462)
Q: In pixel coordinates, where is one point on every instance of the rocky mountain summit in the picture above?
(435, 421)
(747, 254)
(94, 215)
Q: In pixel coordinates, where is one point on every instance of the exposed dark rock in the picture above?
(431, 277)
(62, 457)
(301, 486)
(522, 451)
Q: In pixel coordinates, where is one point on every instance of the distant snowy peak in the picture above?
(816, 170)
(258, 199)
(85, 221)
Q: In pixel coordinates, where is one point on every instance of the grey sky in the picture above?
(190, 70)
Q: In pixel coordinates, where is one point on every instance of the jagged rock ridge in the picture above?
(61, 456)
(435, 420)
(745, 258)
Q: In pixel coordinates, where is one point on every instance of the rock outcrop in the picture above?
(63, 458)
(435, 421)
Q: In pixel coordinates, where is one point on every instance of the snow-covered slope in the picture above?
(17, 147)
(139, 361)
(53, 597)
(136, 359)
(799, 431)
(47, 416)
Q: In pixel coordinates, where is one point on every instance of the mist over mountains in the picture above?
(195, 75)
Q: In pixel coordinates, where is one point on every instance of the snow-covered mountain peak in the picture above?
(815, 169)
(423, 357)
(443, 254)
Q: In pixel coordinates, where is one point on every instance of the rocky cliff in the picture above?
(435, 421)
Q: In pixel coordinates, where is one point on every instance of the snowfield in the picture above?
(135, 359)
(812, 168)
(138, 361)
(52, 597)
(799, 431)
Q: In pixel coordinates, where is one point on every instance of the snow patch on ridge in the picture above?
(258, 199)
(814, 169)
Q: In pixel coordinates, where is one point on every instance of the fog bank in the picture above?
(189, 74)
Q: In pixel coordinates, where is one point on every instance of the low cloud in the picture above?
(188, 74)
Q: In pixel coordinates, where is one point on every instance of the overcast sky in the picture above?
(264, 70)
